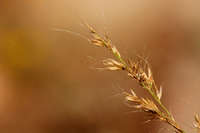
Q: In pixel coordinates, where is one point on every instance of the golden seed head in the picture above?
(197, 121)
(113, 64)
(145, 105)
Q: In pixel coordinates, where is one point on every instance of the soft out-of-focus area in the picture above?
(48, 83)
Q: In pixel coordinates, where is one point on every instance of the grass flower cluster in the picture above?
(139, 70)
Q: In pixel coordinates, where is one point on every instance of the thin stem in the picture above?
(158, 101)
(170, 118)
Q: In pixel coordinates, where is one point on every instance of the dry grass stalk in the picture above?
(140, 71)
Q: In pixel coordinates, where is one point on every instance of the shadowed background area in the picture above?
(48, 83)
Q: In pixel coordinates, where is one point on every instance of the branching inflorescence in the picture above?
(140, 71)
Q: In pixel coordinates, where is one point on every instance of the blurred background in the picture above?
(48, 83)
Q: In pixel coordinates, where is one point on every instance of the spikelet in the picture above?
(111, 64)
(197, 121)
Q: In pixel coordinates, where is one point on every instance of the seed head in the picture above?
(112, 64)
(197, 121)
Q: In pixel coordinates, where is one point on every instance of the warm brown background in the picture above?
(47, 80)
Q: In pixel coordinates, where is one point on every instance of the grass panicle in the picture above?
(139, 70)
